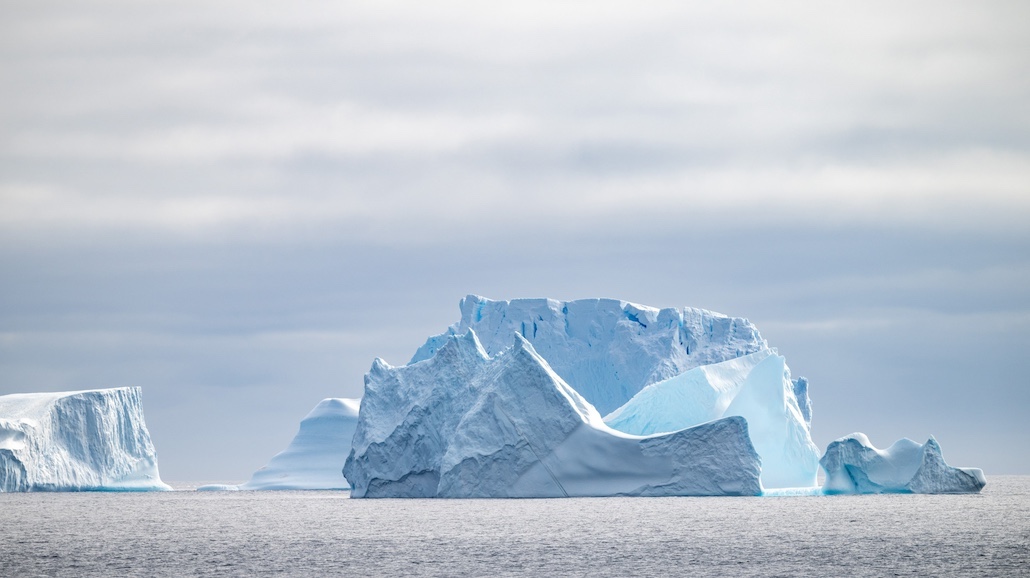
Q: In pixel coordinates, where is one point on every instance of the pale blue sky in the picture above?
(239, 206)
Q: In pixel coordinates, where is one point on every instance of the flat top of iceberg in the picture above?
(34, 405)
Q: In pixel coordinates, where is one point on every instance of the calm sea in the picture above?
(189, 533)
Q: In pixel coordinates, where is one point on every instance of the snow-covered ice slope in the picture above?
(314, 459)
(606, 349)
(460, 423)
(83, 440)
(854, 466)
(756, 387)
(692, 397)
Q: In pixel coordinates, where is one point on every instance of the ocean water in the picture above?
(188, 533)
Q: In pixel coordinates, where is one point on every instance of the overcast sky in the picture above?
(239, 205)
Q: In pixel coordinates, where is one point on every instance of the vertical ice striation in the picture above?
(85, 440)
(800, 387)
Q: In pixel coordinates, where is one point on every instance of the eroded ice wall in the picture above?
(81, 440)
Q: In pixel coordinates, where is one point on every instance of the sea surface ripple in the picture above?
(188, 533)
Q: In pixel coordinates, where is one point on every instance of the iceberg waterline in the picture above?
(73, 441)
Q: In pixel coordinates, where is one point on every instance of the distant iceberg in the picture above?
(74, 441)
(854, 466)
(314, 459)
(463, 424)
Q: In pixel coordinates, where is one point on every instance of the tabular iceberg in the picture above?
(314, 459)
(461, 423)
(606, 349)
(854, 466)
(84, 440)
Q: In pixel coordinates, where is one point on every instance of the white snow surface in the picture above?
(79, 440)
(854, 466)
(756, 387)
(314, 459)
(458, 422)
(608, 350)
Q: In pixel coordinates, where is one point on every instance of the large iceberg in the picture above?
(696, 404)
(607, 350)
(82, 440)
(854, 466)
(314, 459)
(756, 387)
(458, 422)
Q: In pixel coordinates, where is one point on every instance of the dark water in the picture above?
(318, 533)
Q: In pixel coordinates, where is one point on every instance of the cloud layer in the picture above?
(192, 118)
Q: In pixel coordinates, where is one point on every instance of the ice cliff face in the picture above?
(756, 387)
(314, 459)
(607, 350)
(854, 466)
(85, 440)
(458, 422)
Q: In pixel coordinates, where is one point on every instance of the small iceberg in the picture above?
(854, 466)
